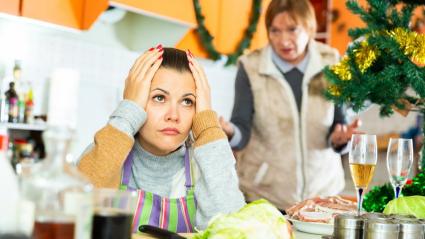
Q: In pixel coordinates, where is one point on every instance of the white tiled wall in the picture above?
(102, 68)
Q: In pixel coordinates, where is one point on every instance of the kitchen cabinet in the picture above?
(25, 142)
(226, 21)
(78, 14)
(177, 11)
(10, 7)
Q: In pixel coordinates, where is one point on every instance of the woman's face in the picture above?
(288, 39)
(170, 110)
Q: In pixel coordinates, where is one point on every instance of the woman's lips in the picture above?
(170, 131)
(286, 51)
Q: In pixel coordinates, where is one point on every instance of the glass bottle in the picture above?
(12, 101)
(29, 105)
(17, 70)
(62, 196)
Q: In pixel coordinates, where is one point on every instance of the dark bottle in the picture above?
(12, 101)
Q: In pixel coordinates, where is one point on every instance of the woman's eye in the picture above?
(274, 30)
(188, 102)
(293, 29)
(159, 98)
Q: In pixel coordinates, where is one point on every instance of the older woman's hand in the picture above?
(138, 82)
(342, 133)
(203, 92)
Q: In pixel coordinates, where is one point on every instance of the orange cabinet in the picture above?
(10, 7)
(227, 22)
(79, 14)
(180, 11)
(343, 20)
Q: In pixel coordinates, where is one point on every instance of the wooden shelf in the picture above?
(28, 127)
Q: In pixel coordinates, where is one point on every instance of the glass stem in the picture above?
(359, 200)
(397, 190)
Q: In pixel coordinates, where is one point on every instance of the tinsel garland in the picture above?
(365, 55)
(377, 198)
(206, 38)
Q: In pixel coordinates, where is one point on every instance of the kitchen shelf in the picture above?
(21, 126)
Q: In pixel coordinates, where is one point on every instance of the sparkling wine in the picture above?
(53, 230)
(362, 174)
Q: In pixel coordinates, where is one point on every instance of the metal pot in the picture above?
(382, 229)
(348, 226)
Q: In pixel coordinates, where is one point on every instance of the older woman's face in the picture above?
(288, 39)
(170, 110)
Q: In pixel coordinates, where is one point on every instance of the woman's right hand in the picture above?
(227, 127)
(138, 82)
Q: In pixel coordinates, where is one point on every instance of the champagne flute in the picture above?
(399, 162)
(362, 158)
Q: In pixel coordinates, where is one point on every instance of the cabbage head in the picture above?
(411, 205)
(257, 220)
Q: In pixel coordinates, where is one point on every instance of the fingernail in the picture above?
(151, 49)
(160, 57)
(159, 46)
(161, 49)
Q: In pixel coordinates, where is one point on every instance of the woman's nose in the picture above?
(172, 113)
(284, 38)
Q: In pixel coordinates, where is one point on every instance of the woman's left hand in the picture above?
(203, 92)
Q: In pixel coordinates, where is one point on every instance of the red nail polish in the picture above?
(151, 49)
(160, 57)
(159, 46)
(161, 50)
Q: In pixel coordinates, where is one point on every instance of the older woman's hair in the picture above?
(176, 59)
(300, 10)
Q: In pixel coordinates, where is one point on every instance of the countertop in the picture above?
(298, 235)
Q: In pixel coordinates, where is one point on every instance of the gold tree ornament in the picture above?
(342, 69)
(334, 90)
(411, 43)
(365, 56)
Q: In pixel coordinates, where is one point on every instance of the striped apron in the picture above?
(173, 214)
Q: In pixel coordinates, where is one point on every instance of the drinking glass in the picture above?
(113, 213)
(399, 162)
(362, 158)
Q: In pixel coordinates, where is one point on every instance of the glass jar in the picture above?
(62, 196)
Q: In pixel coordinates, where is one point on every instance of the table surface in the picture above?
(298, 235)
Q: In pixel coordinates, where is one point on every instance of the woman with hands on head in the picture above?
(164, 141)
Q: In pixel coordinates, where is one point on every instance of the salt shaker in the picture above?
(348, 226)
(411, 229)
(381, 229)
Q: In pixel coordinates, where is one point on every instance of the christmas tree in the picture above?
(385, 63)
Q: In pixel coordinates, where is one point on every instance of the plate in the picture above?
(312, 227)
